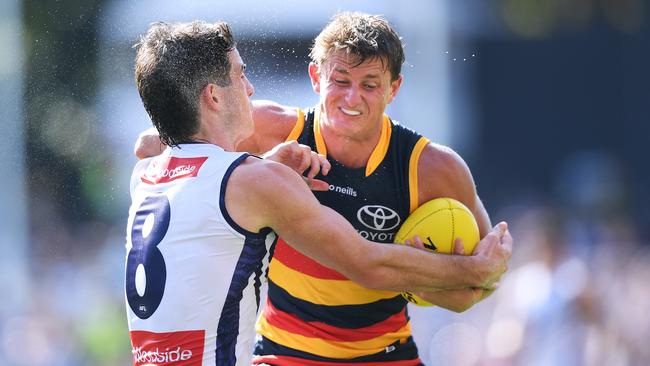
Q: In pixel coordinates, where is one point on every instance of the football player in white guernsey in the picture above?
(203, 217)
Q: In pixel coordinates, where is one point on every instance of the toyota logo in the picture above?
(378, 217)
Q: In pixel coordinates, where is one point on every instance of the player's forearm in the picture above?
(388, 266)
(454, 300)
(333, 242)
(403, 268)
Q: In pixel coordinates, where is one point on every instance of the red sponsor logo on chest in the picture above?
(167, 349)
(172, 168)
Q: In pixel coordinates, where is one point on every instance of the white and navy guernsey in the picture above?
(315, 315)
(193, 276)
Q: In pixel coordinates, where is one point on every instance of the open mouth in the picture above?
(350, 112)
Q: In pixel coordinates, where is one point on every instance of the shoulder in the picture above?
(259, 189)
(139, 169)
(432, 156)
(254, 167)
(273, 123)
(263, 180)
(266, 111)
(440, 157)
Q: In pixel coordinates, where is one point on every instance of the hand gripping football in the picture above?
(438, 223)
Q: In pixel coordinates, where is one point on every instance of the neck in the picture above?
(211, 133)
(347, 150)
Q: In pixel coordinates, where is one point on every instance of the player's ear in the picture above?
(314, 76)
(394, 88)
(210, 96)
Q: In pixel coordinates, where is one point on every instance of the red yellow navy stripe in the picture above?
(323, 291)
(296, 260)
(331, 348)
(291, 323)
(343, 316)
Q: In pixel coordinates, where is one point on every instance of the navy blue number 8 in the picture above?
(144, 251)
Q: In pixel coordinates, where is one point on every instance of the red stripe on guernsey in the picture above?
(167, 349)
(295, 361)
(301, 263)
(172, 168)
(295, 325)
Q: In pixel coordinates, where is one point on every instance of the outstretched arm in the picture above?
(273, 123)
(265, 194)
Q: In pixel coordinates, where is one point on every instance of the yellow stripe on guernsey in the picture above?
(328, 348)
(297, 128)
(321, 291)
(413, 172)
(320, 143)
(378, 153)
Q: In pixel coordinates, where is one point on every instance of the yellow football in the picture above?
(439, 223)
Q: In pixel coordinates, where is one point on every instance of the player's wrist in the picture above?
(480, 271)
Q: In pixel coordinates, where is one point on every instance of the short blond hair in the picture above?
(362, 35)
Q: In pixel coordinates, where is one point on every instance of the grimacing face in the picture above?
(237, 96)
(353, 98)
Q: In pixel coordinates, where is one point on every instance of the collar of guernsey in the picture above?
(378, 153)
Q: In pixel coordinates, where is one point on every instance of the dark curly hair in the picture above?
(174, 62)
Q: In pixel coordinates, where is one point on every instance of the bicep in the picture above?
(482, 217)
(443, 173)
(281, 200)
(315, 230)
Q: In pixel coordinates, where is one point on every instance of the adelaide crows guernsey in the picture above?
(315, 315)
(193, 275)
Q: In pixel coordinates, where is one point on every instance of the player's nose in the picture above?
(352, 97)
(250, 89)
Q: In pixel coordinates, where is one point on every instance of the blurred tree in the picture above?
(60, 86)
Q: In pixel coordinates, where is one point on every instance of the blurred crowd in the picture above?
(574, 295)
(576, 292)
